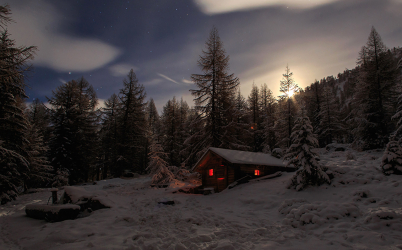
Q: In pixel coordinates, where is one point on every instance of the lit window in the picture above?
(256, 172)
(211, 172)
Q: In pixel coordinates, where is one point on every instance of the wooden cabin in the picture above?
(220, 167)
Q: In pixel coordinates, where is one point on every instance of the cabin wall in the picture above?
(244, 170)
(224, 173)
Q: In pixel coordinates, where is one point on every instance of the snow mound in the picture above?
(300, 212)
(384, 217)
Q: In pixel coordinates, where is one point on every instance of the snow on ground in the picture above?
(361, 209)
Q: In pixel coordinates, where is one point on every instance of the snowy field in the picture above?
(361, 209)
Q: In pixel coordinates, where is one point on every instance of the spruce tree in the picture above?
(14, 165)
(301, 156)
(392, 158)
(391, 162)
(214, 97)
(158, 166)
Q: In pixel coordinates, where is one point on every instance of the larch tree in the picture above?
(132, 143)
(214, 96)
(14, 165)
(41, 174)
(195, 132)
(171, 124)
(242, 131)
(182, 132)
(313, 101)
(255, 118)
(300, 154)
(109, 135)
(377, 91)
(330, 126)
(153, 119)
(287, 108)
(268, 106)
(74, 130)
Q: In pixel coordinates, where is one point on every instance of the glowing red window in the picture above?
(256, 172)
(211, 172)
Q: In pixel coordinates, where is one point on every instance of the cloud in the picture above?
(123, 69)
(168, 78)
(62, 80)
(186, 81)
(38, 23)
(223, 6)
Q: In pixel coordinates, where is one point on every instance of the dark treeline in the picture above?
(72, 141)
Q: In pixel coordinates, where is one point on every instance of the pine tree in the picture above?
(158, 167)
(214, 97)
(300, 155)
(14, 166)
(132, 143)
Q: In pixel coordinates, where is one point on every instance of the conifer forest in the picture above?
(72, 138)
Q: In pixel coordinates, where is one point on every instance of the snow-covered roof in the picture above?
(244, 157)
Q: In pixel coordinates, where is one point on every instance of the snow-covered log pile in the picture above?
(73, 201)
(85, 199)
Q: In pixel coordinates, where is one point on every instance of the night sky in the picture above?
(161, 40)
